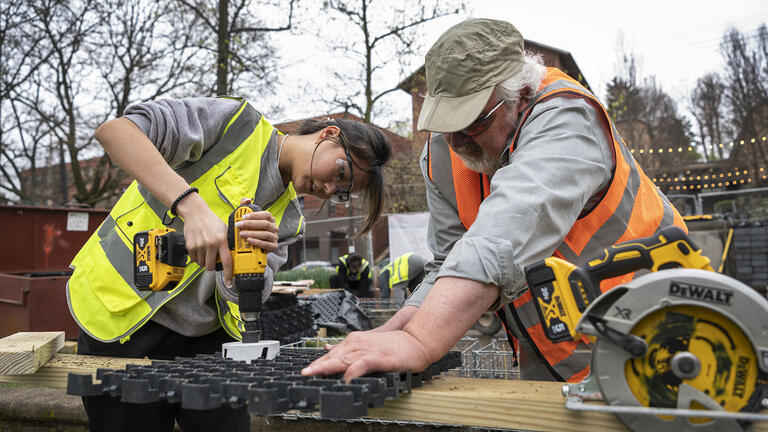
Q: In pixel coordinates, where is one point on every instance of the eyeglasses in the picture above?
(342, 189)
(481, 124)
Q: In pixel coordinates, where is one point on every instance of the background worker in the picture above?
(194, 161)
(556, 179)
(400, 277)
(353, 273)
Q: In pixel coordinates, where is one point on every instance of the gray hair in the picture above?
(529, 76)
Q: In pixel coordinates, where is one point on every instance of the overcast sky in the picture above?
(675, 40)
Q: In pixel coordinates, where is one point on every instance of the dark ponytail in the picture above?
(368, 144)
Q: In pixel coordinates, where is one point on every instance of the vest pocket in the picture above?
(110, 275)
(231, 189)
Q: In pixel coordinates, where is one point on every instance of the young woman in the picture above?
(194, 161)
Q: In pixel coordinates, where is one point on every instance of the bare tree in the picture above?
(143, 50)
(746, 95)
(82, 62)
(66, 25)
(22, 52)
(376, 41)
(240, 36)
(647, 119)
(708, 109)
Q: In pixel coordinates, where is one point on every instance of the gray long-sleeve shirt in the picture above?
(183, 130)
(562, 159)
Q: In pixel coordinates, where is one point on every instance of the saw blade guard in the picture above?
(707, 347)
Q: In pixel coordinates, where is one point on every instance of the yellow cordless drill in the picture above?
(562, 291)
(160, 258)
(248, 265)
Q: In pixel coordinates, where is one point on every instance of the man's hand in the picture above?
(364, 352)
(450, 309)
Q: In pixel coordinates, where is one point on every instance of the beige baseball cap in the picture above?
(463, 67)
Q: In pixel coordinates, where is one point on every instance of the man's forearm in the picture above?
(451, 307)
(398, 320)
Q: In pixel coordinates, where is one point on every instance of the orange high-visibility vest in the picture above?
(632, 207)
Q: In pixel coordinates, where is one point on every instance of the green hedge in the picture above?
(322, 277)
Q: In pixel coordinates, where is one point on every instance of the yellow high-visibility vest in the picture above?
(398, 270)
(363, 267)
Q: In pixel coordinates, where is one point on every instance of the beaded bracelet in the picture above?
(179, 198)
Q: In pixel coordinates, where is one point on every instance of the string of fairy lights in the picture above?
(711, 180)
(710, 147)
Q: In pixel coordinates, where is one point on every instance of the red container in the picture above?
(35, 304)
(44, 239)
(36, 246)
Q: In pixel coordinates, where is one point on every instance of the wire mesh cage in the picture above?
(379, 310)
(313, 342)
(492, 361)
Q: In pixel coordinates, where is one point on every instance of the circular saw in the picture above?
(683, 349)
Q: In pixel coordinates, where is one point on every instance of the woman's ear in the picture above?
(330, 131)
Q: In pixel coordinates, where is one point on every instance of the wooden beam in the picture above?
(508, 404)
(24, 352)
(54, 373)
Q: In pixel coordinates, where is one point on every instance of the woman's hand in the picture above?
(205, 234)
(259, 229)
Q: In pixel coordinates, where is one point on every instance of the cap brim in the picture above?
(451, 114)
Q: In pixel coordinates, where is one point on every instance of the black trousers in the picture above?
(360, 288)
(108, 414)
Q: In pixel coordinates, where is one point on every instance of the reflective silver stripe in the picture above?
(288, 229)
(160, 209)
(567, 253)
(400, 276)
(575, 363)
(669, 214)
(240, 129)
(121, 258)
(566, 367)
(269, 153)
(106, 227)
(613, 228)
(439, 155)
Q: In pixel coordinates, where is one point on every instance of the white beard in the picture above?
(483, 163)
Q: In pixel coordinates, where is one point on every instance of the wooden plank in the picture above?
(24, 352)
(524, 405)
(54, 373)
(509, 404)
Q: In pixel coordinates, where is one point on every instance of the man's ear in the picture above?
(525, 97)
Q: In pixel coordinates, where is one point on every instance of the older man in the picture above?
(528, 166)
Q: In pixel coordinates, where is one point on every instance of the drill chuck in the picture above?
(250, 288)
